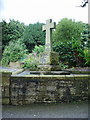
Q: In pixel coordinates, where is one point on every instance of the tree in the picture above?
(68, 42)
(11, 31)
(33, 35)
(67, 29)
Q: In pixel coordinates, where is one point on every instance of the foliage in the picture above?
(63, 66)
(31, 62)
(78, 51)
(66, 30)
(66, 53)
(11, 31)
(85, 36)
(69, 40)
(33, 35)
(87, 55)
(13, 52)
(38, 49)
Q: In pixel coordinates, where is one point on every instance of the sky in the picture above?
(32, 11)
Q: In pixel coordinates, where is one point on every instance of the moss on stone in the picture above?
(48, 88)
(5, 101)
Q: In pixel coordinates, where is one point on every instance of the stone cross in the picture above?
(48, 27)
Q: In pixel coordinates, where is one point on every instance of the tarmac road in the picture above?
(60, 110)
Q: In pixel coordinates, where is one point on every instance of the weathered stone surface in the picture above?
(49, 67)
(54, 89)
(15, 64)
(45, 88)
(50, 72)
(4, 87)
(51, 88)
(49, 60)
(48, 28)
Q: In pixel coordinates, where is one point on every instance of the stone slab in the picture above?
(50, 72)
(49, 67)
(12, 70)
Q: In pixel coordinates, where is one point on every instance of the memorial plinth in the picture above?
(49, 60)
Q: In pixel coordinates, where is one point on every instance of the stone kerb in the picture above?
(52, 77)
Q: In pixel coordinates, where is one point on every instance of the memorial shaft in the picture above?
(48, 28)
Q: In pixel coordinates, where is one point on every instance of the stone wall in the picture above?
(5, 87)
(48, 88)
(43, 88)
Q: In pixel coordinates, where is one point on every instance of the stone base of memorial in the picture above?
(49, 67)
(49, 61)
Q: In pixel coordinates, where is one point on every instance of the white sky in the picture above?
(32, 11)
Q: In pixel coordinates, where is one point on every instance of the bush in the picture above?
(66, 53)
(63, 66)
(13, 52)
(31, 62)
(87, 56)
(69, 55)
(38, 49)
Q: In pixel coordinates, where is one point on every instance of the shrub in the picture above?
(13, 52)
(63, 66)
(87, 56)
(66, 53)
(31, 62)
(38, 49)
